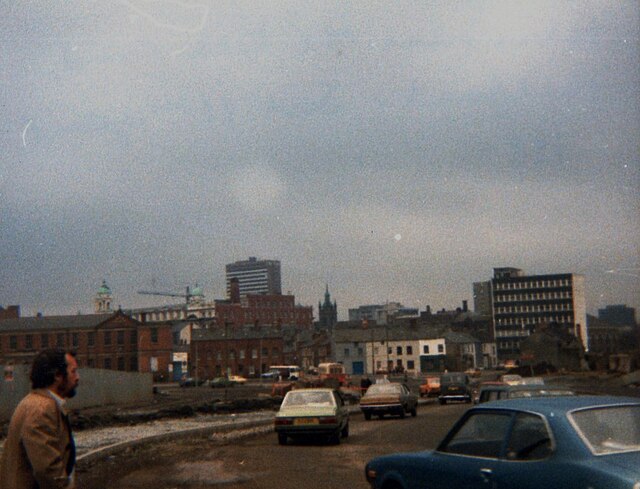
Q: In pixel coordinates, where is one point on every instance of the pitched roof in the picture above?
(79, 321)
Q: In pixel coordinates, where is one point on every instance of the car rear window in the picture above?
(384, 389)
(302, 398)
(453, 379)
(609, 429)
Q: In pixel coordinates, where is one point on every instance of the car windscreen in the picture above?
(302, 398)
(609, 429)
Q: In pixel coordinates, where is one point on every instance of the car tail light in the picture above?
(283, 421)
(329, 420)
(370, 475)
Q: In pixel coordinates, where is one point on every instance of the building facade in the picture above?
(255, 276)
(246, 351)
(109, 341)
(381, 313)
(520, 303)
(618, 314)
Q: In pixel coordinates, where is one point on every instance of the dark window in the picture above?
(107, 338)
(60, 340)
(91, 338)
(176, 337)
(120, 363)
(28, 342)
(425, 349)
(91, 363)
(411, 365)
(107, 363)
(134, 364)
(44, 340)
(409, 350)
(399, 350)
(120, 340)
(275, 352)
(481, 435)
(265, 352)
(529, 439)
(154, 335)
(75, 340)
(134, 338)
(440, 348)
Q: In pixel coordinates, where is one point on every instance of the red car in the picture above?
(431, 387)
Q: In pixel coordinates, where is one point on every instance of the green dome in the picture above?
(197, 292)
(104, 288)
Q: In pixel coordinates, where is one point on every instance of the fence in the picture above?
(97, 387)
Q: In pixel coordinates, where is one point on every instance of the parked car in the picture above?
(269, 375)
(388, 398)
(568, 442)
(237, 379)
(218, 382)
(312, 412)
(473, 372)
(512, 379)
(431, 386)
(493, 391)
(190, 382)
(454, 386)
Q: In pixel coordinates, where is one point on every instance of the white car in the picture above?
(238, 379)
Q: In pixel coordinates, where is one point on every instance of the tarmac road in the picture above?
(257, 461)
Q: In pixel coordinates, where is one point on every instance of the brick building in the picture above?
(111, 341)
(11, 312)
(246, 351)
(264, 309)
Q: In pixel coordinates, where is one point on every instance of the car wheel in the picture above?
(443, 401)
(381, 415)
(335, 438)
(367, 415)
(282, 439)
(414, 412)
(402, 413)
(345, 431)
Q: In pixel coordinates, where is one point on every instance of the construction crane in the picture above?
(187, 296)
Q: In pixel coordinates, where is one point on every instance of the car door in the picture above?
(528, 459)
(470, 454)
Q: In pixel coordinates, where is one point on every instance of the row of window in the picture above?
(537, 296)
(107, 363)
(59, 340)
(506, 333)
(399, 350)
(411, 365)
(537, 284)
(241, 354)
(522, 320)
(534, 308)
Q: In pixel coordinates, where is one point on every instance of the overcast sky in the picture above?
(396, 151)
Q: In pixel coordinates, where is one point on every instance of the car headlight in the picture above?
(636, 485)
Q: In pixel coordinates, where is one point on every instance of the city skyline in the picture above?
(397, 152)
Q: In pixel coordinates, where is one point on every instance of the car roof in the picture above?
(313, 389)
(548, 406)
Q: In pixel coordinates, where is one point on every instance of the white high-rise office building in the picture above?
(255, 276)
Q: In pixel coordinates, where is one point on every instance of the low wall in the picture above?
(97, 387)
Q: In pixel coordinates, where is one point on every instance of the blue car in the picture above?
(557, 442)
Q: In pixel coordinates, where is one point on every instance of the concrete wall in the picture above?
(97, 387)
